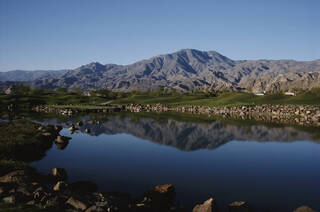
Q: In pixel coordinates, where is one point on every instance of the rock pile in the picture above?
(54, 192)
(73, 110)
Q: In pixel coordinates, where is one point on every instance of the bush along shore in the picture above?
(282, 114)
(52, 192)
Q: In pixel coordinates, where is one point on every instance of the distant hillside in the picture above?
(20, 75)
(189, 69)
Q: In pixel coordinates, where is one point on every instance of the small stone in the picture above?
(47, 134)
(239, 206)
(59, 174)
(77, 204)
(60, 185)
(304, 208)
(94, 208)
(208, 206)
(10, 199)
(164, 188)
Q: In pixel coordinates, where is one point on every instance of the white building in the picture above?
(289, 93)
(260, 94)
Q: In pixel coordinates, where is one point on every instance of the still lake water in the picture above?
(273, 168)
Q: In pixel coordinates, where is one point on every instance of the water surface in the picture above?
(273, 168)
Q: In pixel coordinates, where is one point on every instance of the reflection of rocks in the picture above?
(62, 146)
(62, 142)
(62, 139)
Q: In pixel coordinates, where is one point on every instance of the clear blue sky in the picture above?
(57, 34)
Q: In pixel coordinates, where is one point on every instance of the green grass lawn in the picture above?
(225, 99)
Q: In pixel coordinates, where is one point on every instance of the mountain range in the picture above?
(187, 69)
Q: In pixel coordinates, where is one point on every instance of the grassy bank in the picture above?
(75, 100)
(223, 99)
(23, 101)
(23, 142)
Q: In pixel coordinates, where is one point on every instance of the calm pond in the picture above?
(274, 168)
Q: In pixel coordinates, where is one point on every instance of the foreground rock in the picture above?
(207, 206)
(53, 192)
(18, 176)
(160, 197)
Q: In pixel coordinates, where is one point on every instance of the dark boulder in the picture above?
(77, 203)
(160, 197)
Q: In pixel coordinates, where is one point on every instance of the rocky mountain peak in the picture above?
(183, 70)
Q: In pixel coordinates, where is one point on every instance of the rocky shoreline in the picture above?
(53, 192)
(71, 110)
(282, 114)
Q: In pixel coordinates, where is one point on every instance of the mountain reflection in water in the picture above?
(189, 135)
